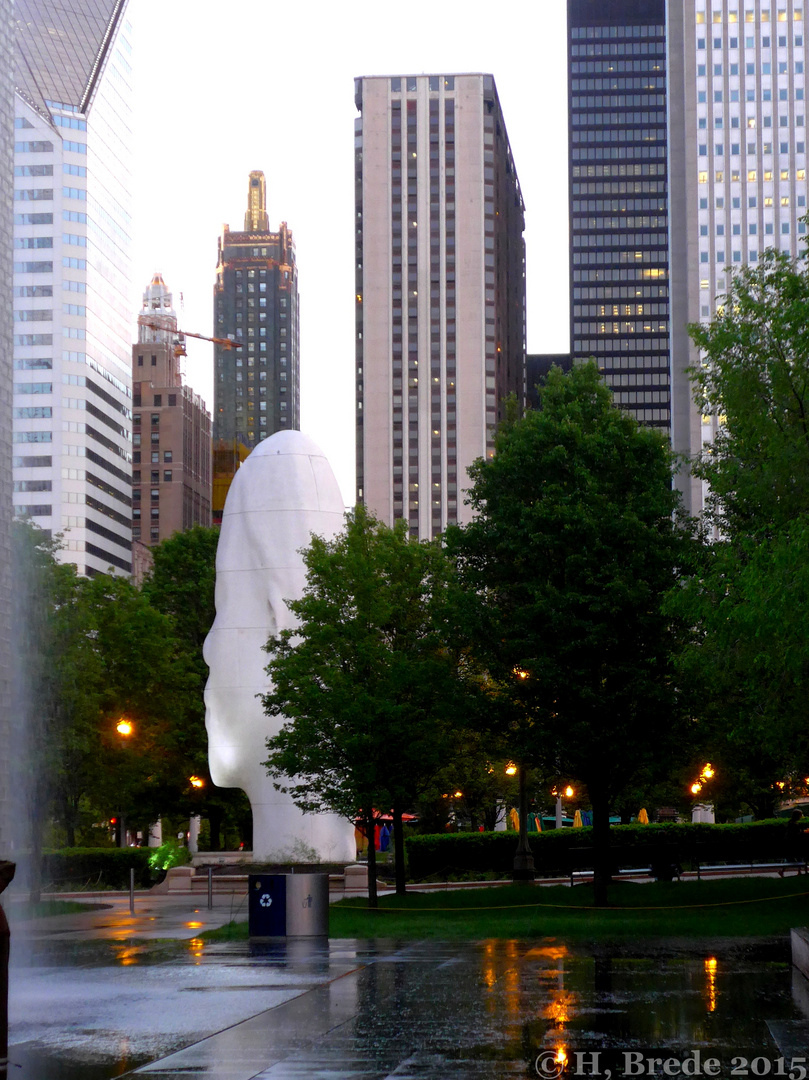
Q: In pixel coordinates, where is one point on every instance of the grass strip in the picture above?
(732, 907)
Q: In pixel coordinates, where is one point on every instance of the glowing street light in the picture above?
(124, 727)
(708, 772)
(511, 769)
(196, 781)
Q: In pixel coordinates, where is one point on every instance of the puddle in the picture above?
(424, 1010)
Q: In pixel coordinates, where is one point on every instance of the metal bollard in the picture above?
(132, 890)
(6, 874)
(210, 888)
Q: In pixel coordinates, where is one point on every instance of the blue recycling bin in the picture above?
(288, 905)
(267, 905)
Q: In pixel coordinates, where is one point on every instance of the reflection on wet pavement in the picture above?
(415, 1011)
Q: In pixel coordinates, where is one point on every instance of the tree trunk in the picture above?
(601, 846)
(215, 817)
(368, 818)
(398, 850)
(523, 857)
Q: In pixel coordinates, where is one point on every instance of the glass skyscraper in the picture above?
(619, 211)
(687, 159)
(72, 452)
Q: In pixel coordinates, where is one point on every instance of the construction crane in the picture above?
(179, 344)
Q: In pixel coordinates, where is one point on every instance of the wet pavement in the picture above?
(92, 1009)
(108, 918)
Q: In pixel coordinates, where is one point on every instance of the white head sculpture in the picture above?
(284, 492)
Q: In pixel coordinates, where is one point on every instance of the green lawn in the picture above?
(736, 907)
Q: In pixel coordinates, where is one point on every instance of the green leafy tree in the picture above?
(147, 678)
(367, 683)
(181, 585)
(88, 652)
(574, 544)
(749, 654)
(754, 375)
(48, 691)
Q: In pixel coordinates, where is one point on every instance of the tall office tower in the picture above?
(6, 332)
(619, 207)
(257, 386)
(742, 146)
(171, 479)
(72, 391)
(687, 157)
(440, 284)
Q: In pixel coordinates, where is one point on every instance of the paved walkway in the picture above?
(156, 916)
(94, 996)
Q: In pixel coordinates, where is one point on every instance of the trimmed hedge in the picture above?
(90, 868)
(558, 851)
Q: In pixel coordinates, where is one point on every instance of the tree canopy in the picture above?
(182, 585)
(575, 542)
(90, 651)
(367, 684)
(748, 657)
(754, 375)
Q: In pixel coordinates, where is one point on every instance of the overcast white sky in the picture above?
(225, 88)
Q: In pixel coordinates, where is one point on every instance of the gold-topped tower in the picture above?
(256, 219)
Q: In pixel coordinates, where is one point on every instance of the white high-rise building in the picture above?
(440, 291)
(72, 427)
(9, 783)
(742, 147)
(688, 156)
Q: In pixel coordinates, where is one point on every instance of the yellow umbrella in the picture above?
(577, 822)
(515, 819)
(643, 817)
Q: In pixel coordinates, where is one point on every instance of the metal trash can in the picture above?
(307, 905)
(267, 905)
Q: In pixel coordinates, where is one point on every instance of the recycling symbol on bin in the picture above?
(265, 899)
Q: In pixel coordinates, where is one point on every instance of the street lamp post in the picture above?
(124, 728)
(523, 858)
(568, 793)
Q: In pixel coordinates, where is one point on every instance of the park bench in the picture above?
(626, 872)
(752, 867)
(585, 874)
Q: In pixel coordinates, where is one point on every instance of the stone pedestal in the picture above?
(356, 878)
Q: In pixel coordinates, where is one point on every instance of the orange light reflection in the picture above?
(559, 1010)
(127, 955)
(710, 972)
